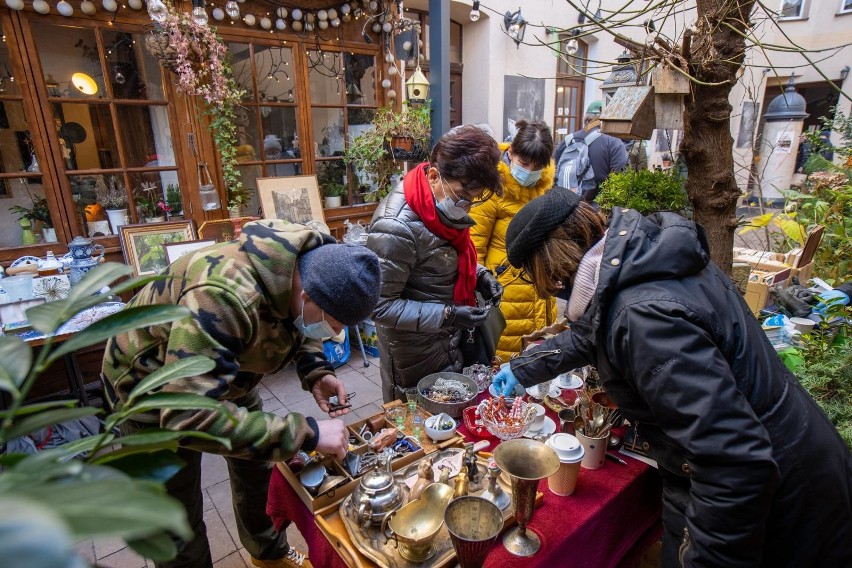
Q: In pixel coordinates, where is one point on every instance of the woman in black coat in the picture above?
(754, 474)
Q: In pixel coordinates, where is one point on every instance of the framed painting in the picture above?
(294, 198)
(177, 249)
(142, 245)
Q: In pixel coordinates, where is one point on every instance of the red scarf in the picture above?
(419, 196)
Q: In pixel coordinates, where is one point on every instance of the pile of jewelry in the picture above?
(481, 375)
(448, 391)
(498, 411)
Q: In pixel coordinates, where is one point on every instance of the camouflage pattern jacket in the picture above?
(239, 294)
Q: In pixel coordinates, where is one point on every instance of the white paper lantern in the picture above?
(345, 9)
(387, 27)
(249, 19)
(323, 24)
(135, 4)
(391, 94)
(110, 5)
(332, 13)
(64, 8)
(218, 14)
(392, 70)
(88, 8)
(347, 17)
(335, 22)
(41, 6)
(15, 4)
(280, 24)
(297, 14)
(373, 5)
(322, 15)
(297, 26)
(266, 23)
(386, 83)
(388, 58)
(281, 12)
(310, 18)
(309, 27)
(377, 27)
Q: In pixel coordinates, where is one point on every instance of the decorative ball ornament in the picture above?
(323, 24)
(249, 19)
(110, 5)
(392, 70)
(386, 83)
(281, 12)
(347, 17)
(280, 24)
(297, 26)
(391, 94)
(388, 57)
(335, 22)
(406, 45)
(88, 8)
(345, 9)
(218, 14)
(232, 9)
(387, 27)
(373, 5)
(15, 4)
(377, 27)
(310, 18)
(64, 8)
(297, 14)
(332, 13)
(266, 23)
(41, 6)
(322, 15)
(135, 4)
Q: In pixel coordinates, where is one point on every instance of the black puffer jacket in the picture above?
(754, 473)
(419, 272)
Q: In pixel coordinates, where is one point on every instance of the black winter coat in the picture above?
(754, 473)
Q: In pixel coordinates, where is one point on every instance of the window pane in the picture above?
(149, 193)
(328, 131)
(248, 136)
(279, 130)
(791, 8)
(17, 153)
(455, 43)
(360, 120)
(325, 78)
(24, 214)
(331, 177)
(87, 136)
(241, 66)
(133, 72)
(8, 85)
(274, 69)
(70, 60)
(146, 135)
(91, 214)
(360, 79)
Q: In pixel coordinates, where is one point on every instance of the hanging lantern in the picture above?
(515, 26)
(417, 87)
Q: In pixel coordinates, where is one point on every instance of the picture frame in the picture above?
(293, 198)
(142, 244)
(223, 230)
(176, 250)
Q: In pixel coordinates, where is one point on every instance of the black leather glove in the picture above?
(787, 299)
(465, 316)
(803, 294)
(491, 290)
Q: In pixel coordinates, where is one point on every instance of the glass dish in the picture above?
(509, 429)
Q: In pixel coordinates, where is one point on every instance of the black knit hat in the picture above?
(342, 279)
(531, 225)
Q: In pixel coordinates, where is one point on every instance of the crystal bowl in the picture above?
(509, 429)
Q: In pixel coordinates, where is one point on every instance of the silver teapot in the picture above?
(377, 495)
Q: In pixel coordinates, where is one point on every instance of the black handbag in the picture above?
(480, 346)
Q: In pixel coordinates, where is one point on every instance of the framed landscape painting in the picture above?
(175, 250)
(294, 198)
(142, 245)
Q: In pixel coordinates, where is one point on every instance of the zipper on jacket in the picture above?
(535, 356)
(684, 547)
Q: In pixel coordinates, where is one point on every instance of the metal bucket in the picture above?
(473, 524)
(454, 409)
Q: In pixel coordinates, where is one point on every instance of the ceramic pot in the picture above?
(85, 255)
(158, 219)
(335, 201)
(117, 217)
(49, 234)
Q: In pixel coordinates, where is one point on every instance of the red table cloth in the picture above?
(612, 517)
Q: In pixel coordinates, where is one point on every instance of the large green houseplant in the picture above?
(105, 485)
(379, 153)
(647, 191)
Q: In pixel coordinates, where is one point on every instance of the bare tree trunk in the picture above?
(715, 55)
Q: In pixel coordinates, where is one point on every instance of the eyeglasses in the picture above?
(475, 202)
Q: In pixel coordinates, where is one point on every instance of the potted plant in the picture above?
(174, 201)
(333, 193)
(34, 218)
(111, 195)
(150, 206)
(378, 154)
(646, 191)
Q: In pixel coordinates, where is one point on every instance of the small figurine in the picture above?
(425, 478)
(461, 484)
(470, 463)
(493, 492)
(445, 476)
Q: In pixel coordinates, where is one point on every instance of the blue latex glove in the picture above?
(836, 295)
(505, 381)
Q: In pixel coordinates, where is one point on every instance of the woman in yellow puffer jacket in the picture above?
(527, 172)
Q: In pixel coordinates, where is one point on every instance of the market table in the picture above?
(609, 521)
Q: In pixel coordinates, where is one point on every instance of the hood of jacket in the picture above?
(512, 190)
(272, 247)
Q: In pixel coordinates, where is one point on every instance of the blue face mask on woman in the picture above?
(524, 176)
(449, 208)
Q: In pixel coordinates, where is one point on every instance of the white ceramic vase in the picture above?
(117, 217)
(49, 234)
(334, 201)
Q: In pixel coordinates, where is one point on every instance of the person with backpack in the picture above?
(526, 171)
(587, 157)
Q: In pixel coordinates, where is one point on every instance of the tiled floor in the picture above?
(281, 395)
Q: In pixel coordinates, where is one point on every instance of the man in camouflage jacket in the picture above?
(251, 300)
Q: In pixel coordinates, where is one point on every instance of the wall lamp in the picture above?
(515, 26)
(844, 73)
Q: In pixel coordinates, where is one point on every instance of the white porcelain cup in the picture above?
(538, 421)
(803, 325)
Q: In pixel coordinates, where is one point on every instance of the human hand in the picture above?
(489, 287)
(833, 298)
(505, 381)
(465, 316)
(332, 438)
(325, 388)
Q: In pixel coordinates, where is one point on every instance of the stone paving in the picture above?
(281, 395)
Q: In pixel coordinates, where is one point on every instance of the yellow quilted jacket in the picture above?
(525, 312)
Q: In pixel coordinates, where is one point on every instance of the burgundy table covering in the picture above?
(611, 518)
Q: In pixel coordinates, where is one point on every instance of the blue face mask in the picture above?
(524, 176)
(449, 208)
(319, 330)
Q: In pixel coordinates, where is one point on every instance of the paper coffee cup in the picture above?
(595, 450)
(570, 452)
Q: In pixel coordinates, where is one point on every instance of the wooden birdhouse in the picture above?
(630, 113)
(670, 88)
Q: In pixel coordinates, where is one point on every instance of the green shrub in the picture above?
(646, 191)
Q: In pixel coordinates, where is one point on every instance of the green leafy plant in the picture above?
(828, 378)
(106, 485)
(647, 191)
(38, 212)
(371, 153)
(174, 199)
(149, 203)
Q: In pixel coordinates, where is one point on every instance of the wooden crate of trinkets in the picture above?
(359, 447)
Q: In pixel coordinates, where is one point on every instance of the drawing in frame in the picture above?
(223, 230)
(294, 198)
(177, 249)
(142, 244)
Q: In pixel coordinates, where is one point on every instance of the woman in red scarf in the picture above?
(421, 233)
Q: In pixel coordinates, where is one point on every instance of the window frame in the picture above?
(802, 15)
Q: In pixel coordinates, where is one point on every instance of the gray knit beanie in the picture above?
(342, 279)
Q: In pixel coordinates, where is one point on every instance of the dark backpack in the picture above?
(574, 169)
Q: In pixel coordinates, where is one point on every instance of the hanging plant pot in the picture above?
(405, 143)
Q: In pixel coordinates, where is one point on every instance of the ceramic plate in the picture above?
(82, 320)
(569, 381)
(26, 260)
(519, 390)
(548, 428)
(537, 393)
